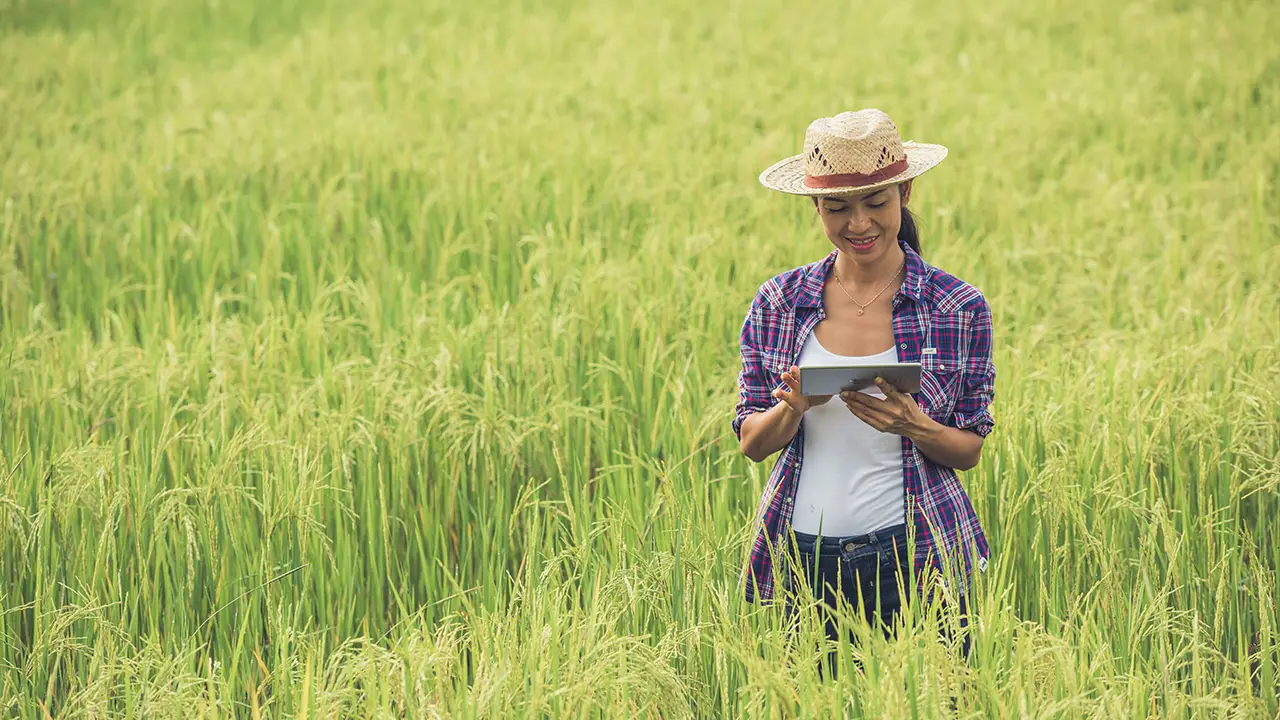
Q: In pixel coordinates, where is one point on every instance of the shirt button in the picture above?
(903, 346)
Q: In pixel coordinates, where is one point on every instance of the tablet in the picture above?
(832, 379)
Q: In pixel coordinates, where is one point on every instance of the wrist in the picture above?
(924, 430)
(790, 413)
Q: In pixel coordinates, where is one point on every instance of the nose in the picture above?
(859, 222)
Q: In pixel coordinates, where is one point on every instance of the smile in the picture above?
(863, 243)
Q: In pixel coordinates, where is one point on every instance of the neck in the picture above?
(874, 273)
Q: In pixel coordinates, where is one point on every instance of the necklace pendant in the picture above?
(860, 311)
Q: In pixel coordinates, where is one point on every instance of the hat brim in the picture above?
(787, 175)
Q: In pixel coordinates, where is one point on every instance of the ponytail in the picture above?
(907, 232)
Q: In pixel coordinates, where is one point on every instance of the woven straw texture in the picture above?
(861, 144)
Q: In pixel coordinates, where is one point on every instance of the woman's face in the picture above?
(865, 225)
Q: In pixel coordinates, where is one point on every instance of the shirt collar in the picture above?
(810, 294)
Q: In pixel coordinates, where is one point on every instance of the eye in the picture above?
(877, 205)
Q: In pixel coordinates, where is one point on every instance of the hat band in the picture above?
(851, 179)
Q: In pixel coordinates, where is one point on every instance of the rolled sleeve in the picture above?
(755, 391)
(973, 407)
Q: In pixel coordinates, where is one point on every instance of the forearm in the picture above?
(765, 433)
(948, 446)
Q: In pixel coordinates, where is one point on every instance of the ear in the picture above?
(905, 190)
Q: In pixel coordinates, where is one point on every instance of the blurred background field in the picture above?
(378, 358)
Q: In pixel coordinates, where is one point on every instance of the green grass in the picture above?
(432, 309)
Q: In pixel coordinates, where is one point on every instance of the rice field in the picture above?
(377, 359)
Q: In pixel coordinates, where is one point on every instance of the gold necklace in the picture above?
(863, 308)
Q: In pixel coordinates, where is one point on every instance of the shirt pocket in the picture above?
(941, 372)
(776, 360)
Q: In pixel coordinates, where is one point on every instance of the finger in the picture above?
(875, 420)
(856, 400)
(868, 403)
(785, 396)
(887, 388)
(893, 401)
(793, 382)
(865, 400)
(867, 416)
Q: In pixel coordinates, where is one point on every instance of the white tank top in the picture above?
(851, 476)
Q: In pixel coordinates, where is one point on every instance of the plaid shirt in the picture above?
(939, 321)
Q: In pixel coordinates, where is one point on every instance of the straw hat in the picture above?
(851, 152)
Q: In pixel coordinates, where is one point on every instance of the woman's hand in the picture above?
(791, 393)
(897, 413)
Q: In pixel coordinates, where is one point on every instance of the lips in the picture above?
(863, 243)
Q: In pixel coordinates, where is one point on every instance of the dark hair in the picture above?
(907, 233)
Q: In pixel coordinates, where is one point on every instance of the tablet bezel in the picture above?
(904, 376)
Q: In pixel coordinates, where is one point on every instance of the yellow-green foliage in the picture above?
(378, 358)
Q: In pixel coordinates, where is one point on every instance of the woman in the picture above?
(862, 476)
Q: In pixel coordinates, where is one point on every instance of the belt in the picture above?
(849, 543)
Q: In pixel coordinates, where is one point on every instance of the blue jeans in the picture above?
(852, 565)
(871, 566)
